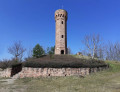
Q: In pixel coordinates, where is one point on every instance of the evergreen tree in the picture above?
(51, 50)
(38, 51)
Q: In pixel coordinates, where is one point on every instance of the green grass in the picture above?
(105, 81)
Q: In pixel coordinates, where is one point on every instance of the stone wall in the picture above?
(5, 72)
(45, 72)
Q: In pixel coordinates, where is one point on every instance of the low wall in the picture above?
(45, 72)
(5, 72)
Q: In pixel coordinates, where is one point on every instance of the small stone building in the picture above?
(79, 53)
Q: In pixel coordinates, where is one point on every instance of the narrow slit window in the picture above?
(62, 36)
(62, 22)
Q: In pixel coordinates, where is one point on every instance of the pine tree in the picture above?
(38, 51)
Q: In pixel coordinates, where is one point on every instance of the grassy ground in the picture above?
(63, 61)
(105, 81)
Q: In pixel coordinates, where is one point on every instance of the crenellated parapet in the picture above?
(60, 14)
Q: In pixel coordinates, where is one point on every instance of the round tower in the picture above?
(61, 32)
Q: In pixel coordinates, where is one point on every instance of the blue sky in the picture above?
(32, 22)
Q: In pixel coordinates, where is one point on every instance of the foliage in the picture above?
(38, 51)
(51, 50)
(63, 61)
(7, 63)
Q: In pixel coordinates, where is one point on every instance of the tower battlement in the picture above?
(60, 14)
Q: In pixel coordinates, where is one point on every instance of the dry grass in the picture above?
(63, 61)
(105, 81)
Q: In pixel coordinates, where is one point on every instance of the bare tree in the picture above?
(113, 51)
(101, 52)
(17, 50)
(92, 43)
(30, 53)
(69, 51)
(109, 53)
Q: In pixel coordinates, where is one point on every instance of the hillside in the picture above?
(60, 61)
(105, 81)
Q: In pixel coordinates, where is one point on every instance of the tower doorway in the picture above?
(62, 51)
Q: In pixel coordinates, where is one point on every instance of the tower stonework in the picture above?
(61, 32)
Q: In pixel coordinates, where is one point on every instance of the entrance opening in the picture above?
(62, 51)
(16, 69)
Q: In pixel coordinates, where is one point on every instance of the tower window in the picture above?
(60, 15)
(62, 36)
(62, 22)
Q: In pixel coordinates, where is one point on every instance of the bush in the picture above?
(7, 63)
(63, 61)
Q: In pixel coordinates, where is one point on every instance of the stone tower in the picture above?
(61, 32)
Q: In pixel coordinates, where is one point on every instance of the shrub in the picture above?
(7, 63)
(63, 61)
